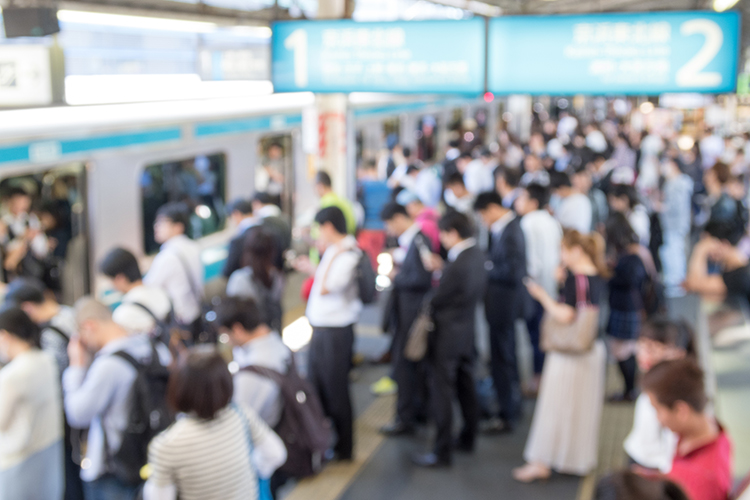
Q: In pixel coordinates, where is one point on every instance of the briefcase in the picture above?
(419, 333)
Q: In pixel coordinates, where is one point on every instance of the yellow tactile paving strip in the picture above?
(336, 477)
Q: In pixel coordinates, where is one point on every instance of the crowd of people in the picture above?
(581, 234)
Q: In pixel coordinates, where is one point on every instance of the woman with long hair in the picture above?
(565, 429)
(259, 279)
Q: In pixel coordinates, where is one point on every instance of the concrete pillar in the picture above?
(493, 121)
(332, 120)
(519, 106)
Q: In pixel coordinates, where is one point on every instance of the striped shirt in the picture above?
(209, 459)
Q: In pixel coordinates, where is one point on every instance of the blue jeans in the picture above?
(108, 487)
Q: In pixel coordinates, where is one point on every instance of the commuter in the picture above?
(259, 279)
(627, 485)
(328, 198)
(623, 155)
(533, 172)
(96, 393)
(57, 321)
(650, 445)
(373, 194)
(624, 199)
(722, 207)
(402, 158)
(26, 246)
(702, 465)
(479, 174)
(31, 425)
(625, 299)
(142, 307)
(269, 178)
(675, 218)
(543, 235)
(274, 220)
(507, 182)
(219, 450)
(711, 148)
(572, 207)
(426, 217)
(504, 303)
(332, 309)
(582, 181)
(411, 284)
(241, 214)
(450, 354)
(177, 268)
(460, 198)
(564, 432)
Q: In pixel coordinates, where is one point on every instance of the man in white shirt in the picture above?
(333, 308)
(458, 196)
(177, 268)
(142, 307)
(96, 392)
(543, 235)
(573, 209)
(255, 344)
(478, 176)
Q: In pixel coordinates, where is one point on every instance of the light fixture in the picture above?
(646, 107)
(722, 5)
(685, 142)
(154, 23)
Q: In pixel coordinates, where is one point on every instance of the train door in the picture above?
(59, 213)
(275, 173)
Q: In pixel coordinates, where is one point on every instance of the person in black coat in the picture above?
(411, 285)
(451, 352)
(241, 213)
(270, 216)
(504, 302)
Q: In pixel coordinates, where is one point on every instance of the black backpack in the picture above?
(148, 415)
(303, 427)
(365, 276)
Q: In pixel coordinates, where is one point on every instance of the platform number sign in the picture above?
(297, 43)
(648, 53)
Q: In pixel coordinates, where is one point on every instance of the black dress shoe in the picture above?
(430, 460)
(397, 429)
(463, 446)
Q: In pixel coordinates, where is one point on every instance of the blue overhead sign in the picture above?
(348, 56)
(647, 53)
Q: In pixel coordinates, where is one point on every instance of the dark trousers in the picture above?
(504, 365)
(451, 377)
(534, 325)
(329, 365)
(108, 487)
(411, 380)
(73, 483)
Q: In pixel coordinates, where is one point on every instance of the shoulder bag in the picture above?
(579, 336)
(419, 334)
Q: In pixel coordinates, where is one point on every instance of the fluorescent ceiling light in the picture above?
(259, 31)
(155, 23)
(722, 5)
(107, 89)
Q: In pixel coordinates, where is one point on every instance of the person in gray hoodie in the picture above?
(675, 218)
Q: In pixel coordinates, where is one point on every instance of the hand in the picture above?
(77, 353)
(535, 289)
(434, 263)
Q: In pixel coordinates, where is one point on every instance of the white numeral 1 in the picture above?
(297, 43)
(690, 75)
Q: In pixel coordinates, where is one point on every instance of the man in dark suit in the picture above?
(504, 302)
(451, 351)
(241, 214)
(271, 217)
(411, 284)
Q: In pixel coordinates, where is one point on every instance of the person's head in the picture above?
(729, 232)
(533, 197)
(627, 485)
(122, 268)
(620, 234)
(172, 219)
(332, 225)
(258, 252)
(581, 180)
(532, 163)
(200, 384)
(323, 184)
(30, 295)
(506, 180)
(239, 209)
(17, 333)
(662, 339)
(275, 151)
(560, 183)
(486, 156)
(19, 201)
(670, 167)
(412, 171)
(396, 219)
(578, 249)
(454, 227)
(622, 198)
(241, 319)
(260, 200)
(463, 161)
(677, 392)
(716, 178)
(95, 325)
(411, 202)
(455, 183)
(490, 207)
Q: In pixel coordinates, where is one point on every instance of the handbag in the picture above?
(419, 333)
(264, 485)
(579, 336)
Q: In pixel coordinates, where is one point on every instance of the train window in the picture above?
(198, 181)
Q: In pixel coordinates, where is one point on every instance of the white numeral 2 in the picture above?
(690, 75)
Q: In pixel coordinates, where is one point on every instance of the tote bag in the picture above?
(579, 336)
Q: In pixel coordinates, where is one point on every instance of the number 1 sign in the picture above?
(649, 53)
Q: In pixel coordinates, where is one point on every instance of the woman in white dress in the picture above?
(565, 430)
